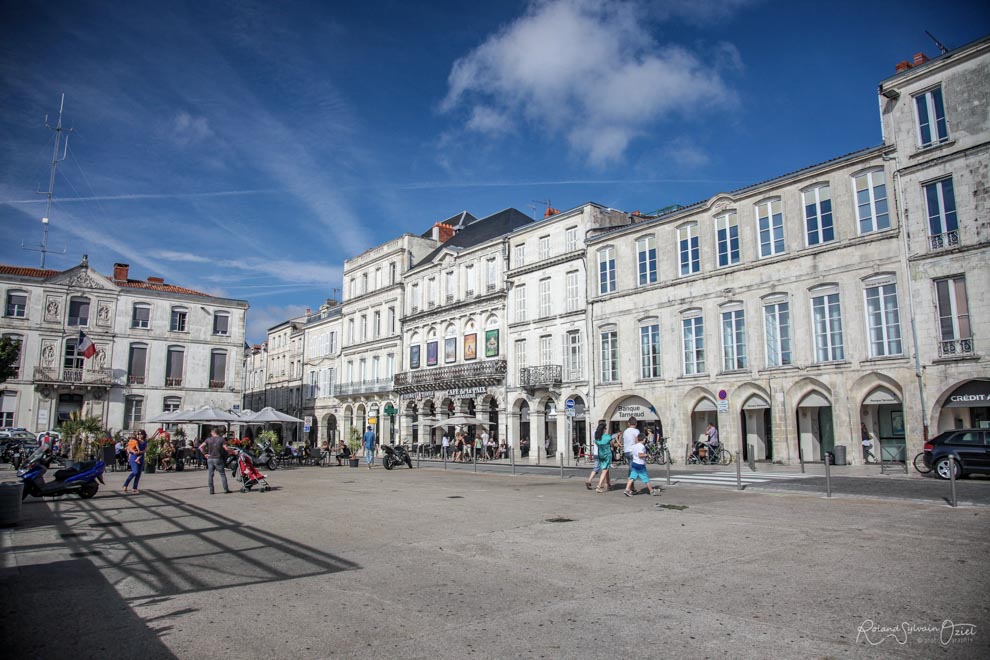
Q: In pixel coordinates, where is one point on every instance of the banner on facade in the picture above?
(636, 407)
(974, 394)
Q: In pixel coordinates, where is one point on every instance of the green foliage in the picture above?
(79, 431)
(271, 436)
(153, 450)
(10, 349)
(354, 443)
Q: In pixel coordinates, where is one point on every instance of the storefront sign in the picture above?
(635, 407)
(458, 392)
(974, 394)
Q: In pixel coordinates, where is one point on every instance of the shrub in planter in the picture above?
(151, 455)
(354, 444)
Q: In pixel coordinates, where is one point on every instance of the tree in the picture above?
(10, 351)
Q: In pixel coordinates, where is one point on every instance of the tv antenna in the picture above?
(938, 43)
(541, 202)
(50, 193)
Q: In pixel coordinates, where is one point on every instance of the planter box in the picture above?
(354, 462)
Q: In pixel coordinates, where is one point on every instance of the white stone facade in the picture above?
(159, 347)
(322, 368)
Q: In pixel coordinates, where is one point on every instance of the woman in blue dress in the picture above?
(136, 447)
(603, 442)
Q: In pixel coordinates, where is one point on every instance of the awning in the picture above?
(974, 394)
(755, 403)
(881, 396)
(705, 405)
(815, 400)
(637, 407)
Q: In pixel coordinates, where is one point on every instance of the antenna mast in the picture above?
(938, 43)
(50, 193)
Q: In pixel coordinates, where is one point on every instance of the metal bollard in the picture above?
(952, 481)
(444, 450)
(561, 465)
(739, 485)
(474, 455)
(668, 468)
(828, 476)
(512, 459)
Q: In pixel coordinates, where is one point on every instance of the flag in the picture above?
(85, 346)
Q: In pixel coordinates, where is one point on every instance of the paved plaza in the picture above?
(423, 563)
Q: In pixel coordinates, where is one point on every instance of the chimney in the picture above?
(902, 66)
(920, 58)
(442, 232)
(636, 213)
(550, 212)
(154, 280)
(120, 272)
(308, 311)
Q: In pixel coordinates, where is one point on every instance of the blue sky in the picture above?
(247, 148)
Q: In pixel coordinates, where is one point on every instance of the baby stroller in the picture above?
(250, 476)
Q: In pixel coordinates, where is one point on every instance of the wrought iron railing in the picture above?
(458, 375)
(173, 382)
(946, 240)
(549, 374)
(82, 376)
(217, 384)
(365, 387)
(135, 380)
(955, 347)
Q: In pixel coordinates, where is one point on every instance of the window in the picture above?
(519, 255)
(364, 327)
(521, 302)
(646, 249)
(572, 300)
(350, 331)
(376, 363)
(431, 292)
(16, 304)
(610, 356)
(79, 311)
(178, 321)
(649, 351)
(450, 285)
(690, 255)
(570, 239)
(777, 326)
(955, 333)
(544, 247)
(883, 321)
(694, 345)
(931, 118)
(491, 276)
(545, 306)
(606, 270)
(943, 227)
(391, 273)
(727, 237)
(171, 404)
(415, 302)
(141, 316)
(520, 355)
(173, 366)
(8, 408)
(818, 215)
(221, 323)
(390, 365)
(574, 355)
(827, 319)
(871, 202)
(377, 324)
(770, 225)
(733, 340)
(218, 369)
(364, 283)
(378, 278)
(133, 411)
(391, 320)
(350, 371)
(471, 277)
(546, 350)
(17, 341)
(73, 359)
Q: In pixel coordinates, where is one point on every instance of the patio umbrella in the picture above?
(174, 417)
(462, 420)
(208, 414)
(267, 415)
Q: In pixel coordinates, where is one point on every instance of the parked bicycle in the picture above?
(658, 453)
(919, 463)
(705, 454)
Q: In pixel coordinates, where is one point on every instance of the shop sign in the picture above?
(974, 394)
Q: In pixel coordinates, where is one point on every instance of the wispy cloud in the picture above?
(296, 272)
(188, 130)
(260, 318)
(143, 196)
(590, 71)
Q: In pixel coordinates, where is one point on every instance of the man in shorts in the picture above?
(637, 470)
(629, 438)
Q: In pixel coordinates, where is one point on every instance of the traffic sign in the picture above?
(306, 428)
(571, 412)
(723, 406)
(722, 395)
(569, 404)
(308, 421)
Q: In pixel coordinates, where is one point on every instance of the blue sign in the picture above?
(569, 404)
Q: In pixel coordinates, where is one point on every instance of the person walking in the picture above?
(867, 441)
(629, 438)
(369, 446)
(637, 470)
(136, 447)
(215, 449)
(445, 446)
(603, 441)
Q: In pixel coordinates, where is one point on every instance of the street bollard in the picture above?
(828, 476)
(561, 465)
(474, 455)
(444, 450)
(739, 485)
(668, 468)
(419, 455)
(752, 459)
(952, 481)
(512, 459)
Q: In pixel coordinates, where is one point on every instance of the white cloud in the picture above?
(259, 319)
(295, 272)
(189, 130)
(591, 72)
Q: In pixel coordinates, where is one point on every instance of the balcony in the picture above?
(73, 376)
(217, 384)
(541, 377)
(135, 380)
(365, 387)
(173, 382)
(950, 348)
(944, 241)
(476, 374)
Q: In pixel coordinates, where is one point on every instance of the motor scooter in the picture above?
(395, 455)
(266, 456)
(79, 478)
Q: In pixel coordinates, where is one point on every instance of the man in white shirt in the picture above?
(629, 438)
(444, 445)
(637, 470)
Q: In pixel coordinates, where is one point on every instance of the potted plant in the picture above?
(151, 454)
(354, 444)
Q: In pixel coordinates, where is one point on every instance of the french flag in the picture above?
(85, 346)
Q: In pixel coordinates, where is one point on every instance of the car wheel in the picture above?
(943, 465)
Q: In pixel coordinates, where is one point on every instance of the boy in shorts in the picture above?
(637, 469)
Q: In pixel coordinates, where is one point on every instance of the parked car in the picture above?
(969, 447)
(19, 435)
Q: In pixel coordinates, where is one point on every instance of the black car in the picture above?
(969, 447)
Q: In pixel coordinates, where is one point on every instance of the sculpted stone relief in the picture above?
(101, 357)
(48, 354)
(82, 279)
(103, 314)
(51, 309)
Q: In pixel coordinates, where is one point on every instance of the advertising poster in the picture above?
(450, 350)
(431, 353)
(491, 343)
(414, 357)
(470, 346)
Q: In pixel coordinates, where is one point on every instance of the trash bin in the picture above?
(840, 455)
(10, 503)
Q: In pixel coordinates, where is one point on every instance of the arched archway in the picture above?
(882, 425)
(965, 404)
(521, 424)
(815, 427)
(330, 426)
(756, 428)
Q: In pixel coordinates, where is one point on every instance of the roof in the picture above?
(21, 271)
(458, 221)
(481, 231)
(43, 274)
(933, 61)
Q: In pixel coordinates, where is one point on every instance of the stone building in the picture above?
(255, 372)
(936, 115)
(547, 340)
(453, 326)
(321, 369)
(159, 347)
(284, 383)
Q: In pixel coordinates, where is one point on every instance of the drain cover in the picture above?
(559, 520)
(87, 553)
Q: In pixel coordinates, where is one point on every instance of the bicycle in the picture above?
(919, 463)
(713, 456)
(658, 453)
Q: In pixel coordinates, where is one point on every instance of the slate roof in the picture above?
(479, 231)
(457, 221)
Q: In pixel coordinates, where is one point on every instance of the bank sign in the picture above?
(974, 394)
